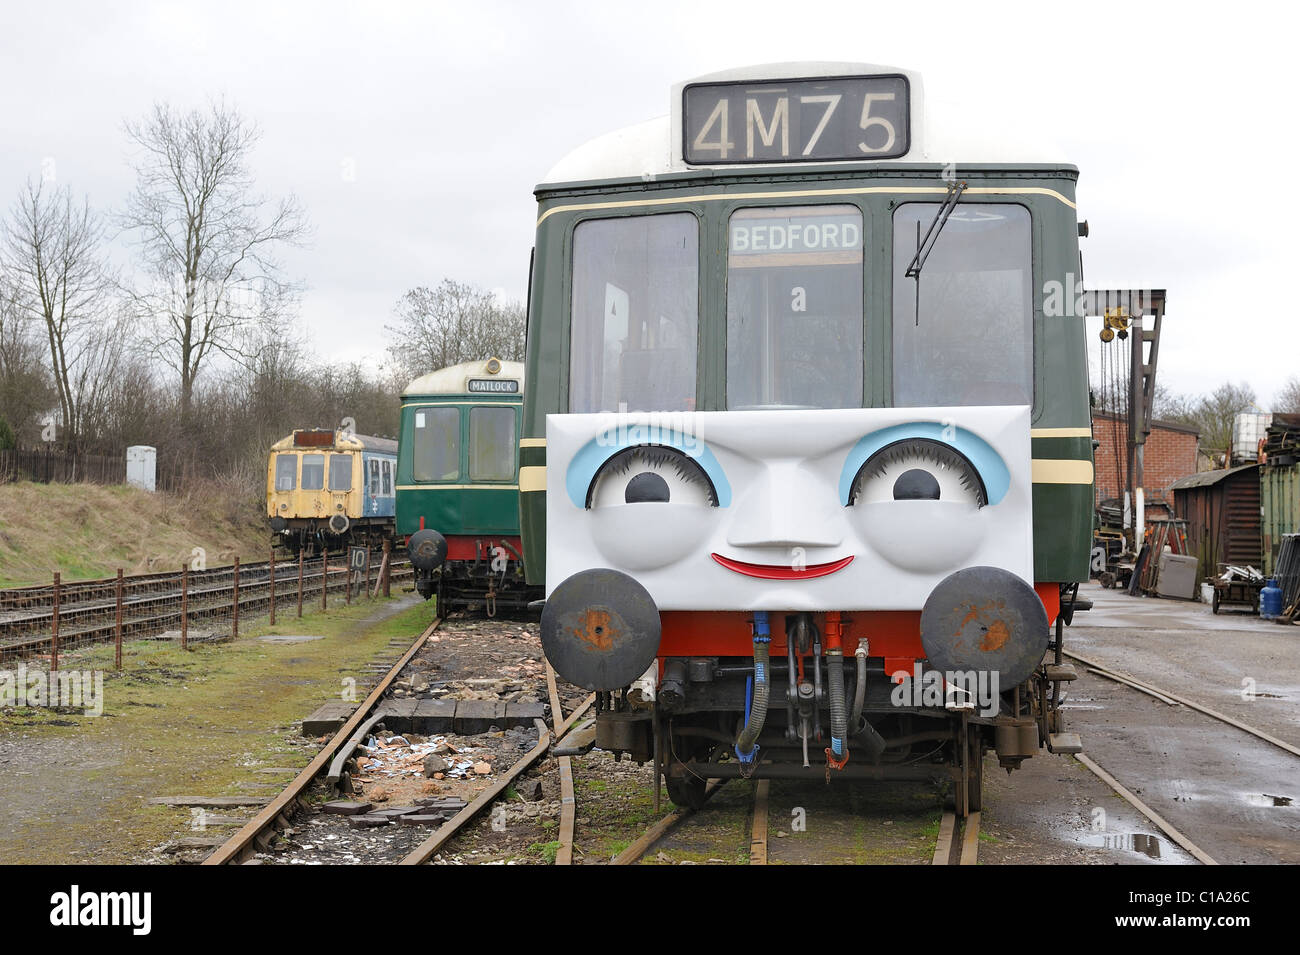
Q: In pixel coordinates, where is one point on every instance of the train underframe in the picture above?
(314, 536)
(691, 716)
(472, 573)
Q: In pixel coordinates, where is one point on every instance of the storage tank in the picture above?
(1248, 429)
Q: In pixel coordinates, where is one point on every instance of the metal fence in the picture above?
(52, 465)
(184, 605)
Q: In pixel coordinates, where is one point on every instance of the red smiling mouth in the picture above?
(779, 572)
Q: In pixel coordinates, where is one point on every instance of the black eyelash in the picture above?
(933, 454)
(655, 455)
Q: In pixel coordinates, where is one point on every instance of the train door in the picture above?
(340, 486)
(284, 483)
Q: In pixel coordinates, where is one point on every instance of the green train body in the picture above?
(458, 485)
(759, 173)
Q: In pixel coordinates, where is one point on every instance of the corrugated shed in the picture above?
(1279, 487)
(1222, 510)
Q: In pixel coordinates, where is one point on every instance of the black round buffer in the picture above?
(985, 619)
(600, 629)
(428, 549)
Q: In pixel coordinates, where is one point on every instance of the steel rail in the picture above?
(758, 828)
(948, 839)
(970, 839)
(1196, 851)
(661, 828)
(958, 841)
(1158, 693)
(241, 842)
(568, 802)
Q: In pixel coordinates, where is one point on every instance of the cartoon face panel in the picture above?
(854, 509)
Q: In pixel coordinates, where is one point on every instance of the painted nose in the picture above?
(787, 507)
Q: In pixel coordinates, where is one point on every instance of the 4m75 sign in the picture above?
(841, 118)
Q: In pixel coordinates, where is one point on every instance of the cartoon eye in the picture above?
(918, 503)
(651, 474)
(918, 469)
(675, 507)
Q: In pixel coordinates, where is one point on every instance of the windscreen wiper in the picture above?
(923, 247)
(926, 245)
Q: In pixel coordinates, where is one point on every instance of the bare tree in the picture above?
(1169, 406)
(207, 241)
(51, 250)
(1288, 399)
(26, 389)
(1214, 415)
(452, 323)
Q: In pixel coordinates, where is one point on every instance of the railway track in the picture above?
(957, 842)
(258, 832)
(1172, 699)
(150, 604)
(425, 851)
(277, 816)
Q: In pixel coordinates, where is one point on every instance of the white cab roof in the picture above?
(942, 132)
(454, 380)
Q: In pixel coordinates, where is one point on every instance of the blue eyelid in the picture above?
(992, 469)
(593, 455)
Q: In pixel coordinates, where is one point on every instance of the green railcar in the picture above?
(458, 484)
(744, 317)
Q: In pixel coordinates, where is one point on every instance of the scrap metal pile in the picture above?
(1282, 440)
(1287, 574)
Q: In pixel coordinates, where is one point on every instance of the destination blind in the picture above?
(837, 118)
(494, 386)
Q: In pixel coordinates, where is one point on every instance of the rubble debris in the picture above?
(434, 764)
(530, 789)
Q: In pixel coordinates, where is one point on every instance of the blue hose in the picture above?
(756, 704)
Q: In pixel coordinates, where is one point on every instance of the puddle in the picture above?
(290, 638)
(1268, 799)
(1139, 842)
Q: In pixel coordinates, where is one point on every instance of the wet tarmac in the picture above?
(1236, 796)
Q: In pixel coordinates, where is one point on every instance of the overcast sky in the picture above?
(413, 133)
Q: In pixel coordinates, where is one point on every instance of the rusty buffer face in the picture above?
(600, 629)
(985, 619)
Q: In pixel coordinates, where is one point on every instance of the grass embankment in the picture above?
(200, 722)
(88, 530)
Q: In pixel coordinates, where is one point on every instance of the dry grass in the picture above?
(88, 530)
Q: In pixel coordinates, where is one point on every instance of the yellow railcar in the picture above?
(326, 489)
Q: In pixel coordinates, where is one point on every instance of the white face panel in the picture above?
(774, 510)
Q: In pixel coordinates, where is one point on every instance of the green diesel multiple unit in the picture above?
(458, 485)
(807, 393)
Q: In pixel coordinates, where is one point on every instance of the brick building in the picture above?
(1171, 453)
